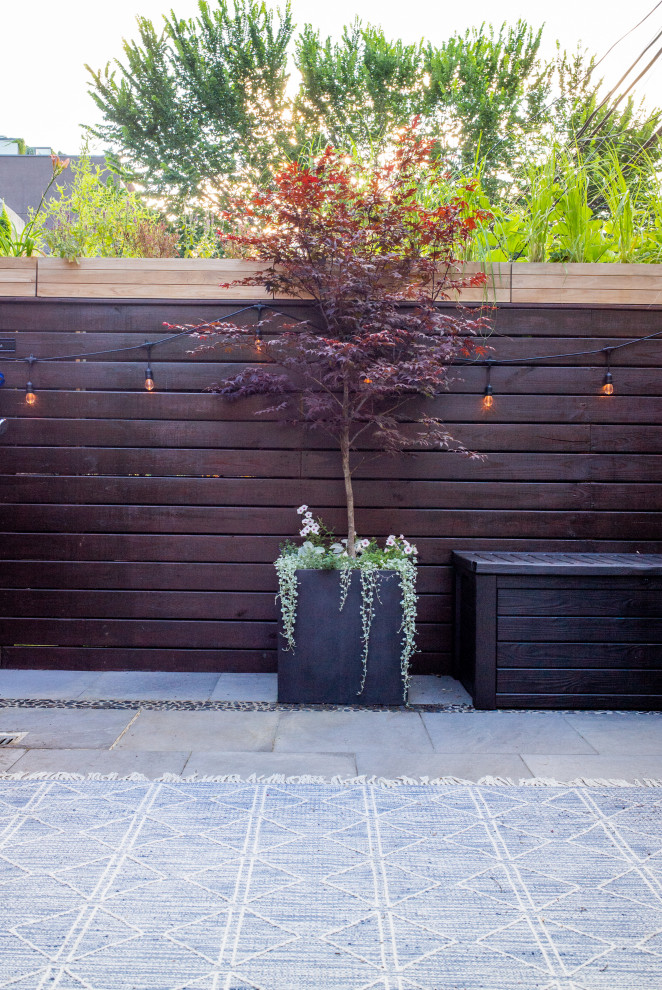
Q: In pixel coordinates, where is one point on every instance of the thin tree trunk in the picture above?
(347, 475)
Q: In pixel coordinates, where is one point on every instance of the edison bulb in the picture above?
(149, 384)
(488, 401)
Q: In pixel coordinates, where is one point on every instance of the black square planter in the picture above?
(325, 666)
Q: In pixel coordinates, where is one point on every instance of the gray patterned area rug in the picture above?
(355, 885)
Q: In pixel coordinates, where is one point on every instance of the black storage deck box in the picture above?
(559, 630)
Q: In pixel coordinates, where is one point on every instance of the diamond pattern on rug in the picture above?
(263, 886)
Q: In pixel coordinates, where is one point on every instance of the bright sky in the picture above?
(43, 82)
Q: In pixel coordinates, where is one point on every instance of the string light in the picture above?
(488, 397)
(30, 397)
(608, 387)
(149, 375)
(258, 338)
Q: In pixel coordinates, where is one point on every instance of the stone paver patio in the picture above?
(470, 745)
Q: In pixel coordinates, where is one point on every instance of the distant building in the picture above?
(23, 177)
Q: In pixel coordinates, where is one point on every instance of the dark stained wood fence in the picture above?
(139, 530)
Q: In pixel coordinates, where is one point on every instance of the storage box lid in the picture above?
(504, 562)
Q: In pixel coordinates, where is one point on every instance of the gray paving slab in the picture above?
(611, 766)
(201, 731)
(246, 687)
(56, 684)
(623, 732)
(9, 757)
(65, 728)
(471, 766)
(151, 685)
(351, 732)
(503, 732)
(430, 690)
(290, 764)
(122, 762)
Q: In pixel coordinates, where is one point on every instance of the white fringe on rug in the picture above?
(338, 781)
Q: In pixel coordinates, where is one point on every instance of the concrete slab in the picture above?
(503, 732)
(470, 766)
(122, 762)
(201, 731)
(246, 687)
(290, 764)
(9, 757)
(55, 684)
(351, 732)
(613, 766)
(60, 728)
(429, 690)
(620, 733)
(129, 685)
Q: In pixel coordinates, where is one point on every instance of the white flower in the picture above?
(408, 549)
(308, 515)
(301, 509)
(365, 544)
(313, 527)
(390, 541)
(304, 531)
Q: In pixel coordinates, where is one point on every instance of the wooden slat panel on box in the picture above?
(580, 681)
(608, 702)
(582, 655)
(18, 277)
(584, 629)
(584, 601)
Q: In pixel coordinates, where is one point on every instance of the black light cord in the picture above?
(260, 307)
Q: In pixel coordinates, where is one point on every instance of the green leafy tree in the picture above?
(199, 102)
(201, 106)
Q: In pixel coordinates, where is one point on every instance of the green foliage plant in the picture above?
(97, 217)
(26, 243)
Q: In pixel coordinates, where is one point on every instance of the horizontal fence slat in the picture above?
(264, 549)
(264, 520)
(451, 408)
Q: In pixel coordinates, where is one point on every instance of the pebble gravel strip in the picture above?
(273, 706)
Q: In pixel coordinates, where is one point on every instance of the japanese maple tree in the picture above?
(373, 248)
